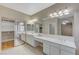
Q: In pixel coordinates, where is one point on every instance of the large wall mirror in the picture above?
(65, 26)
(59, 26)
(30, 27)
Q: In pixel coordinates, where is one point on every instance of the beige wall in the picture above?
(76, 28)
(44, 13)
(12, 14)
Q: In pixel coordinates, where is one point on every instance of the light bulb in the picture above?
(60, 13)
(55, 14)
(66, 11)
(51, 15)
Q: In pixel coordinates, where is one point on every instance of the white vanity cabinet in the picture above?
(54, 48)
(51, 48)
(31, 40)
(65, 50)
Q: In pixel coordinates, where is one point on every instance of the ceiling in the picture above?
(27, 8)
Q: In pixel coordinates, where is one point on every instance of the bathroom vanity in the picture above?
(52, 44)
(56, 35)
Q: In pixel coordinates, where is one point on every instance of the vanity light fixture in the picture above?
(60, 13)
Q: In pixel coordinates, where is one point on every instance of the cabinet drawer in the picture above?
(63, 52)
(69, 49)
(55, 44)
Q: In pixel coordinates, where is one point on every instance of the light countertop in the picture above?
(63, 40)
(7, 40)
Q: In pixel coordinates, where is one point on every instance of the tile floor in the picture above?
(24, 49)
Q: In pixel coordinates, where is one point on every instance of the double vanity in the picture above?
(52, 44)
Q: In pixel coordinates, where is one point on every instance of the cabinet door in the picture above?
(46, 47)
(65, 50)
(54, 50)
(68, 49)
(31, 40)
(23, 37)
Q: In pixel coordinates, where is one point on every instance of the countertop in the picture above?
(7, 40)
(59, 39)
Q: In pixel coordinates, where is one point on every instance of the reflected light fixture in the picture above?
(65, 22)
(62, 12)
(32, 21)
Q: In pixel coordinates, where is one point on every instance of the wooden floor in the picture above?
(23, 49)
(7, 45)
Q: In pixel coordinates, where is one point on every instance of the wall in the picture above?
(12, 14)
(56, 7)
(76, 29)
